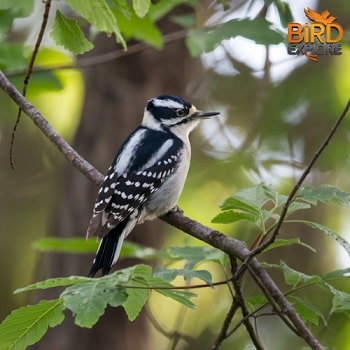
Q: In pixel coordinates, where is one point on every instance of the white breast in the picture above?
(166, 197)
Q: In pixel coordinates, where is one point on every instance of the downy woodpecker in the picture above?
(146, 177)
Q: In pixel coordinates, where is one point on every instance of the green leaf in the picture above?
(293, 277)
(341, 273)
(18, 8)
(66, 32)
(195, 255)
(81, 245)
(137, 297)
(65, 245)
(330, 233)
(169, 275)
(55, 282)
(143, 29)
(12, 57)
(341, 303)
(186, 21)
(284, 12)
(296, 206)
(141, 273)
(136, 300)
(160, 8)
(181, 296)
(141, 7)
(99, 14)
(255, 302)
(230, 216)
(286, 242)
(88, 300)
(324, 194)
(27, 325)
(258, 30)
(238, 203)
(307, 311)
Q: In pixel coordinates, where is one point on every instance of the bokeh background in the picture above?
(276, 110)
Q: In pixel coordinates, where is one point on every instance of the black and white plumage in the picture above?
(146, 177)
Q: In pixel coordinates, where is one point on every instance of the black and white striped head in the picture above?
(174, 113)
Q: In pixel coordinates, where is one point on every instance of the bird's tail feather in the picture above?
(108, 250)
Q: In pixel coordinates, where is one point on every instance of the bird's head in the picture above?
(173, 113)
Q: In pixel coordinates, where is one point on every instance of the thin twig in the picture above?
(28, 74)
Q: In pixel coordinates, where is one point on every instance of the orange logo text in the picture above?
(313, 39)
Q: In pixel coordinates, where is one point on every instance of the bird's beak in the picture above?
(200, 114)
(195, 113)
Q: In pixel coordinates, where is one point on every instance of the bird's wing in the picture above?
(119, 196)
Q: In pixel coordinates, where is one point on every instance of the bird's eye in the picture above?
(180, 112)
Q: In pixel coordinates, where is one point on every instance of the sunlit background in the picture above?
(275, 109)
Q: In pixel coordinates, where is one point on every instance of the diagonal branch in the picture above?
(233, 247)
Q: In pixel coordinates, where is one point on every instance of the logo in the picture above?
(321, 37)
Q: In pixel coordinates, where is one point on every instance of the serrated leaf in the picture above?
(286, 242)
(54, 282)
(169, 275)
(143, 29)
(142, 273)
(230, 216)
(238, 203)
(141, 7)
(324, 194)
(296, 206)
(293, 277)
(27, 325)
(137, 296)
(99, 14)
(87, 301)
(66, 32)
(341, 302)
(307, 311)
(195, 255)
(258, 30)
(181, 296)
(330, 233)
(136, 300)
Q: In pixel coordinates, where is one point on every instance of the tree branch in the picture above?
(231, 246)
